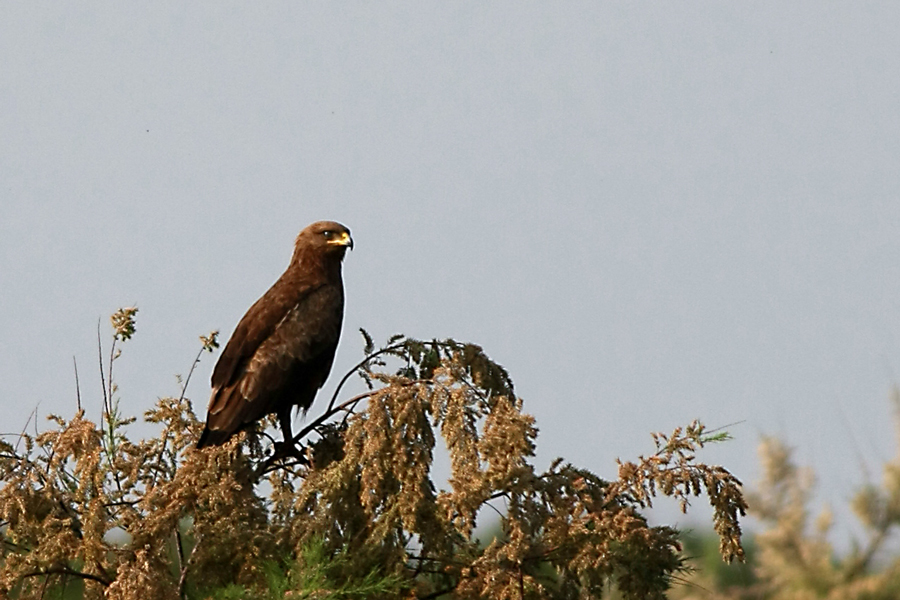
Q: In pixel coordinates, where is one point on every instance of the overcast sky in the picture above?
(649, 213)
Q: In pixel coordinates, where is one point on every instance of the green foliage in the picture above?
(314, 575)
(792, 557)
(710, 571)
(361, 515)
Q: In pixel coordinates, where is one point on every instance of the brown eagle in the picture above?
(281, 351)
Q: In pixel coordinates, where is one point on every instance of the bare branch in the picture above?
(67, 571)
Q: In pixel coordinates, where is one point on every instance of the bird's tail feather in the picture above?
(212, 437)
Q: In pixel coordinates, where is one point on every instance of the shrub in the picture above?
(85, 508)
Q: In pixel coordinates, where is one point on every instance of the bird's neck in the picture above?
(328, 267)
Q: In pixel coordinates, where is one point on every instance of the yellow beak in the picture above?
(344, 240)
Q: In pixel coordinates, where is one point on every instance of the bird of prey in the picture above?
(281, 351)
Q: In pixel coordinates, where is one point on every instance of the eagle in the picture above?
(281, 351)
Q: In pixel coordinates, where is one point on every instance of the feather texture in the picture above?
(282, 350)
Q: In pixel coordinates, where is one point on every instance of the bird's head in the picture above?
(325, 237)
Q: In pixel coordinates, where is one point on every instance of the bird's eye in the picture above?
(327, 234)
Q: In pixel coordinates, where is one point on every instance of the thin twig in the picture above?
(457, 563)
(187, 380)
(182, 580)
(65, 585)
(358, 366)
(161, 459)
(521, 583)
(269, 465)
(44, 587)
(387, 350)
(346, 407)
(109, 379)
(330, 413)
(862, 562)
(180, 551)
(21, 435)
(107, 406)
(121, 503)
(184, 386)
(102, 375)
(77, 386)
(15, 546)
(162, 450)
(67, 571)
(494, 508)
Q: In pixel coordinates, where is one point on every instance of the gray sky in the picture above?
(648, 213)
